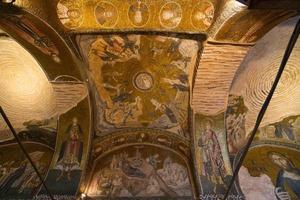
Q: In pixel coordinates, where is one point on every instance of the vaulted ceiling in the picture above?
(142, 98)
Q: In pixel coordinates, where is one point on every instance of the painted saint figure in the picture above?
(288, 176)
(213, 164)
(71, 151)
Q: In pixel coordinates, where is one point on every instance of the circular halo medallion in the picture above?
(69, 15)
(170, 15)
(106, 14)
(202, 15)
(138, 14)
(143, 81)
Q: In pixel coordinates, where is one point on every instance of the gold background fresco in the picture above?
(152, 165)
(141, 80)
(143, 15)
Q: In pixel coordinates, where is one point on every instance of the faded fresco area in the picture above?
(249, 89)
(211, 155)
(21, 69)
(32, 102)
(271, 168)
(27, 30)
(141, 81)
(140, 171)
(287, 130)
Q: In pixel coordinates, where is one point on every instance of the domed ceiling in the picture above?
(142, 81)
(145, 99)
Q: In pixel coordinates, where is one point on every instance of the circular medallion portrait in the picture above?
(143, 81)
(70, 15)
(138, 14)
(203, 15)
(106, 14)
(170, 15)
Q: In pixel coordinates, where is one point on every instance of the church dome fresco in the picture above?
(141, 80)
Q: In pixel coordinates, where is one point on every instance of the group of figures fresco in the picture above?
(37, 132)
(271, 169)
(138, 172)
(285, 130)
(17, 177)
(142, 81)
(106, 14)
(41, 130)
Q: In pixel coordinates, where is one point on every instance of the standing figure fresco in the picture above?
(212, 161)
(213, 164)
(71, 151)
(64, 176)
